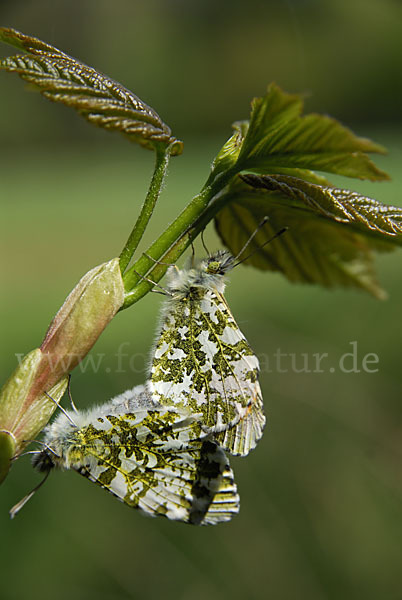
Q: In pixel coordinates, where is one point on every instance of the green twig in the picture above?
(168, 238)
(161, 164)
(173, 242)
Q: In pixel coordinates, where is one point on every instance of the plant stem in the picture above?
(173, 242)
(161, 164)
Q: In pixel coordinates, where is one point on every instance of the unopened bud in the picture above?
(7, 451)
(84, 315)
(22, 413)
(24, 406)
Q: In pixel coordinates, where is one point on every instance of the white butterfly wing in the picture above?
(202, 361)
(243, 437)
(160, 462)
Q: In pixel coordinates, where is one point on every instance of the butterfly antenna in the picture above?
(17, 507)
(70, 395)
(277, 234)
(65, 413)
(250, 239)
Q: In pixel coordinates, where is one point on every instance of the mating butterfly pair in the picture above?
(160, 447)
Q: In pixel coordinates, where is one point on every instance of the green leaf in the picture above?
(229, 152)
(99, 99)
(344, 206)
(269, 114)
(331, 233)
(279, 138)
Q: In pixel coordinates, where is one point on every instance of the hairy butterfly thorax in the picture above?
(202, 360)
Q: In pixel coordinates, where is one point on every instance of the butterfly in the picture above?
(202, 361)
(155, 458)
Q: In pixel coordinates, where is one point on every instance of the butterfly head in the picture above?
(43, 461)
(218, 263)
(208, 273)
(59, 438)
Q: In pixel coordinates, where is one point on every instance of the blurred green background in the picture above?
(321, 514)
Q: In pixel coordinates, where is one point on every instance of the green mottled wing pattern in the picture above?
(157, 460)
(242, 438)
(203, 362)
